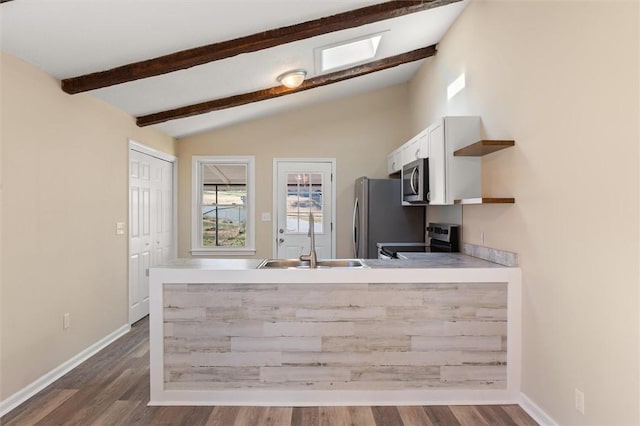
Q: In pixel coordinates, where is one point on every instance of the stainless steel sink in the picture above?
(304, 264)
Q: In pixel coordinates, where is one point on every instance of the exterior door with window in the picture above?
(303, 187)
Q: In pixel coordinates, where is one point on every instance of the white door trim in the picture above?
(137, 146)
(274, 183)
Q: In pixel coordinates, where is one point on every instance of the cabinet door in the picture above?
(410, 151)
(437, 165)
(421, 148)
(403, 154)
(394, 162)
(390, 165)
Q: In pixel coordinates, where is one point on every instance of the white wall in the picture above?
(561, 78)
(358, 131)
(64, 187)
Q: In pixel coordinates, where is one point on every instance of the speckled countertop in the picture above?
(227, 264)
(410, 261)
(432, 260)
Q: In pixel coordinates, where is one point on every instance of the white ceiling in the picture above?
(67, 38)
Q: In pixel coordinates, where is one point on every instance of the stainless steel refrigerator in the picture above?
(379, 217)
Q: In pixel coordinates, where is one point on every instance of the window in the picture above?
(304, 196)
(223, 205)
(347, 53)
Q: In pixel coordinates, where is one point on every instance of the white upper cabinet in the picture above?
(421, 148)
(417, 147)
(409, 151)
(450, 178)
(394, 162)
(453, 146)
(460, 177)
(437, 187)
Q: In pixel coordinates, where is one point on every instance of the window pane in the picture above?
(304, 195)
(223, 226)
(224, 205)
(292, 223)
(317, 223)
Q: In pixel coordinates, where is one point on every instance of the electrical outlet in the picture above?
(66, 321)
(579, 397)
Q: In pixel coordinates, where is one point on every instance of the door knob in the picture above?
(281, 240)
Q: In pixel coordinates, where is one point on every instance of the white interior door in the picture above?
(162, 202)
(151, 239)
(302, 187)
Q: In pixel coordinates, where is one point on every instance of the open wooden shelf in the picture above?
(485, 200)
(483, 147)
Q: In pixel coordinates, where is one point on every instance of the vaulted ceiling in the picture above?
(190, 66)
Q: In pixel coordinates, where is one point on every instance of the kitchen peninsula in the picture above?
(441, 329)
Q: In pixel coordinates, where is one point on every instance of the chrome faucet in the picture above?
(311, 257)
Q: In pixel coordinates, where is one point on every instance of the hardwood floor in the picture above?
(112, 388)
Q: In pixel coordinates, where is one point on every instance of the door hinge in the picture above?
(331, 226)
(331, 177)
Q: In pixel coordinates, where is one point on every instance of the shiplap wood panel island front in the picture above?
(223, 332)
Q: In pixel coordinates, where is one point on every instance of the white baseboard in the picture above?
(536, 412)
(28, 391)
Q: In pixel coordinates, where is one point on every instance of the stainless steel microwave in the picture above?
(415, 182)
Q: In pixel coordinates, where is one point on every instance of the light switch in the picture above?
(119, 228)
(266, 216)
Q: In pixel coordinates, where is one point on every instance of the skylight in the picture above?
(352, 52)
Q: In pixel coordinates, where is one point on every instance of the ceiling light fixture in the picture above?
(292, 79)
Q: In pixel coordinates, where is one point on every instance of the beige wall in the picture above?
(561, 78)
(359, 132)
(64, 187)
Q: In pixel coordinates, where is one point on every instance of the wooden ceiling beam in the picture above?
(275, 92)
(201, 55)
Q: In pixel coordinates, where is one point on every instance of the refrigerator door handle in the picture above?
(354, 233)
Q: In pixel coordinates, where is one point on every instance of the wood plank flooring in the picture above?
(112, 388)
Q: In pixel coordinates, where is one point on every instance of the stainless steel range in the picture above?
(444, 238)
